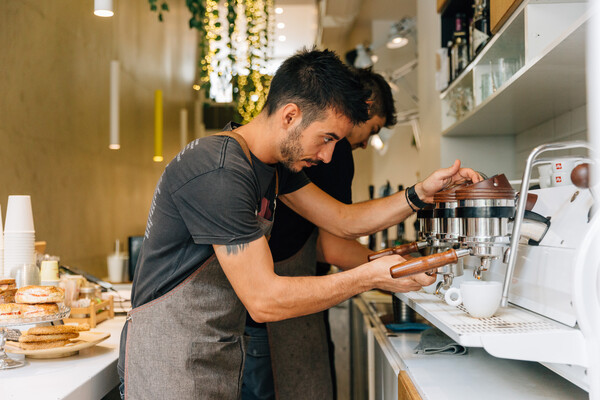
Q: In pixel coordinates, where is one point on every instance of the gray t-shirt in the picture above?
(209, 194)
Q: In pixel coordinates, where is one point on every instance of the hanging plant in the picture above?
(249, 90)
(154, 7)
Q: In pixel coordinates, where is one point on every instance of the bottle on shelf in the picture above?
(479, 27)
(451, 72)
(372, 237)
(459, 51)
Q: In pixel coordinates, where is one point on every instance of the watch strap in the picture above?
(414, 198)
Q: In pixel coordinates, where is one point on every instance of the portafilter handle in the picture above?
(400, 250)
(423, 264)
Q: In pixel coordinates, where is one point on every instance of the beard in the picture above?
(291, 151)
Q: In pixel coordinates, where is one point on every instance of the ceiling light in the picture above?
(103, 8)
(397, 42)
(399, 33)
(196, 87)
(279, 10)
(282, 38)
(280, 25)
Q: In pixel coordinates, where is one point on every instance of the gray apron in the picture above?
(299, 350)
(189, 343)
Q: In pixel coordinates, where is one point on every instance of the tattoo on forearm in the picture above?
(236, 248)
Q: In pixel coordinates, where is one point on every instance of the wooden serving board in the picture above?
(85, 340)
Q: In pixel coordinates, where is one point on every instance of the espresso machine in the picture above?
(467, 220)
(531, 241)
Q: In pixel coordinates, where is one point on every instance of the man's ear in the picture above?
(290, 115)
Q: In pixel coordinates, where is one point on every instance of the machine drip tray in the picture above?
(513, 333)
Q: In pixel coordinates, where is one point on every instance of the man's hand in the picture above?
(384, 281)
(444, 178)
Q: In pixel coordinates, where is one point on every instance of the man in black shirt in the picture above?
(205, 258)
(291, 236)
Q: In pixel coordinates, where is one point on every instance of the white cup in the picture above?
(563, 165)
(480, 298)
(49, 270)
(117, 267)
(19, 216)
(545, 172)
(561, 178)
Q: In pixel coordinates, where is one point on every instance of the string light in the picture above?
(253, 87)
(211, 18)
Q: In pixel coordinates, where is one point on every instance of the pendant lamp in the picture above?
(158, 126)
(103, 8)
(114, 106)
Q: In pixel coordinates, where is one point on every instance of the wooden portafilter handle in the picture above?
(400, 250)
(423, 264)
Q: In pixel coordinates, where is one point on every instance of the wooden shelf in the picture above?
(544, 88)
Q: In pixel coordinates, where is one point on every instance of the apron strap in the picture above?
(242, 142)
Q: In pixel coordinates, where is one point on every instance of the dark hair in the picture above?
(381, 95)
(317, 81)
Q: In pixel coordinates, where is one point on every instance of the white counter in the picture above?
(474, 375)
(89, 375)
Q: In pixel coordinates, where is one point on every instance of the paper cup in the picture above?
(49, 270)
(117, 268)
(19, 216)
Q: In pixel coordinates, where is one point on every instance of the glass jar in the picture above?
(87, 292)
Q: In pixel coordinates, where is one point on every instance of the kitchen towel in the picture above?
(407, 327)
(434, 341)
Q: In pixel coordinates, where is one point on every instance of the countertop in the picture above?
(91, 374)
(475, 375)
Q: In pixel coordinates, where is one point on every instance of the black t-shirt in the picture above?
(209, 194)
(290, 230)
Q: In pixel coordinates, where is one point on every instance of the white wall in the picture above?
(569, 126)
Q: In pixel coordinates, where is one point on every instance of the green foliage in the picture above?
(154, 8)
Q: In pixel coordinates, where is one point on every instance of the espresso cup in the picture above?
(480, 298)
(561, 178)
(545, 172)
(564, 165)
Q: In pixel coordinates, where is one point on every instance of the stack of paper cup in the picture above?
(19, 233)
(1, 245)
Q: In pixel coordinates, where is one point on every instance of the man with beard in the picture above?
(294, 357)
(205, 258)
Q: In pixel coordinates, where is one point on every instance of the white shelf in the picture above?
(544, 88)
(512, 333)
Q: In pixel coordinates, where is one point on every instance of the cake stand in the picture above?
(5, 361)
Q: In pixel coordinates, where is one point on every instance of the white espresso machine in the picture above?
(550, 309)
